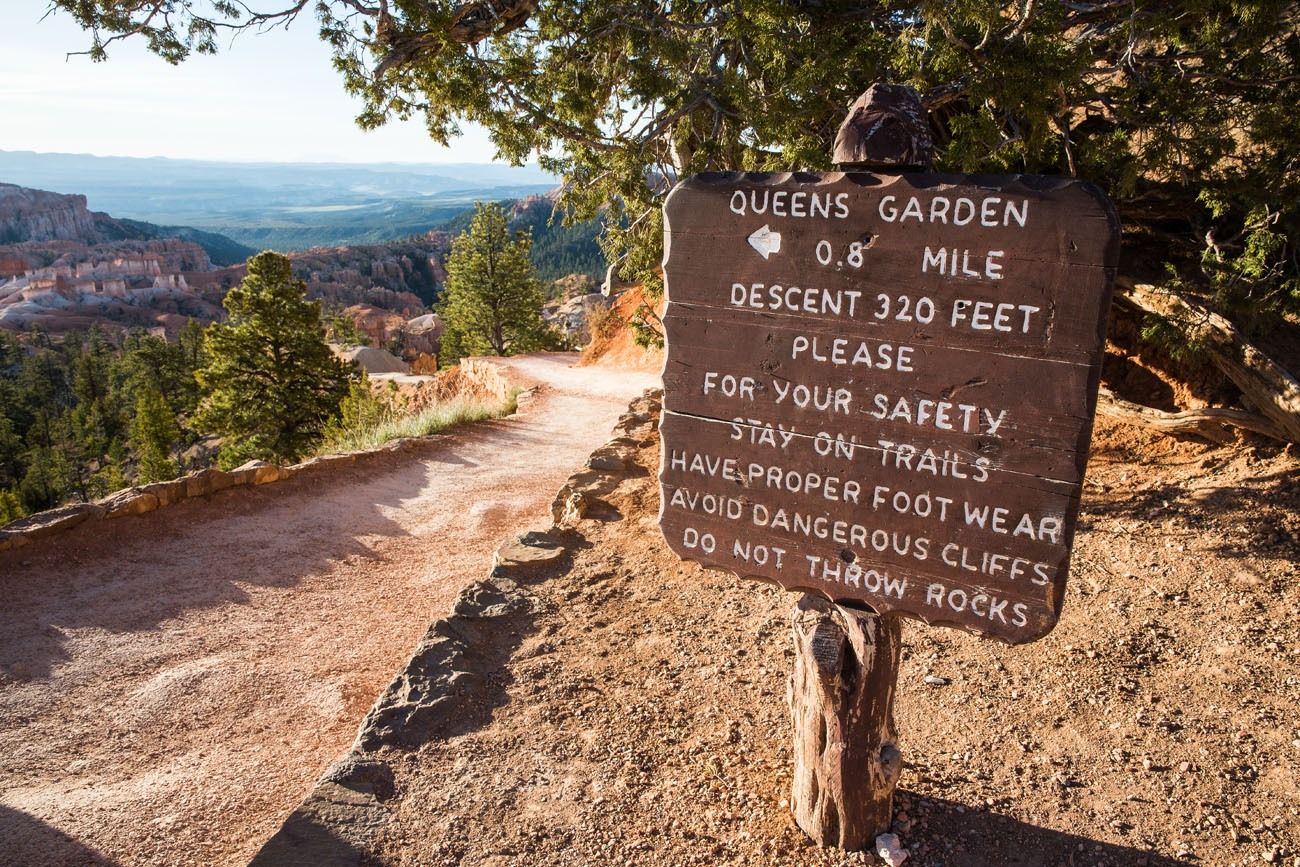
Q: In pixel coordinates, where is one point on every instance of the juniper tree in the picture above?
(492, 300)
(270, 384)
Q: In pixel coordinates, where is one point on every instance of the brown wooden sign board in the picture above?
(880, 388)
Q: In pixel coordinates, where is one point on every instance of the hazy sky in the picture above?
(271, 96)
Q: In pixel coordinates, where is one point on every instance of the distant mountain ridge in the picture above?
(282, 206)
(64, 267)
(39, 215)
(222, 250)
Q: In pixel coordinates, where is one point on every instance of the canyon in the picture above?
(66, 268)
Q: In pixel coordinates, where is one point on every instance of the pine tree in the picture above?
(360, 412)
(110, 476)
(343, 330)
(270, 384)
(154, 433)
(492, 301)
(11, 506)
(49, 478)
(11, 448)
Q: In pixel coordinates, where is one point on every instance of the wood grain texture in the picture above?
(886, 128)
(841, 698)
(931, 338)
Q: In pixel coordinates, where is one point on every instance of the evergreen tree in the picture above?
(67, 411)
(151, 362)
(154, 433)
(270, 384)
(110, 476)
(48, 478)
(492, 300)
(360, 411)
(11, 449)
(11, 506)
(343, 330)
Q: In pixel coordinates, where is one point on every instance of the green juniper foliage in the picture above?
(1183, 110)
(559, 249)
(271, 384)
(492, 300)
(360, 410)
(342, 329)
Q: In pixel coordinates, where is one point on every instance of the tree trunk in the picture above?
(1265, 384)
(846, 758)
(1210, 424)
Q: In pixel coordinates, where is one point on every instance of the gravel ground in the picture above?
(643, 720)
(172, 685)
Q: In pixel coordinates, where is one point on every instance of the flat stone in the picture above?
(48, 523)
(206, 482)
(607, 461)
(131, 501)
(325, 461)
(219, 481)
(625, 445)
(526, 558)
(196, 484)
(166, 492)
(331, 828)
(365, 776)
(256, 473)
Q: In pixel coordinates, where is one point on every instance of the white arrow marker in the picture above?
(765, 241)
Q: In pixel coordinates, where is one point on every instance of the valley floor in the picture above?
(170, 692)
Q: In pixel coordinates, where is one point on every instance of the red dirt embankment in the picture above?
(613, 343)
(172, 685)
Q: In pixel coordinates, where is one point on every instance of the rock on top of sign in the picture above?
(886, 127)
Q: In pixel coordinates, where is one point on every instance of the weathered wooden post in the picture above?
(879, 387)
(846, 757)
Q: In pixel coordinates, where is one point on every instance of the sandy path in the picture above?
(169, 694)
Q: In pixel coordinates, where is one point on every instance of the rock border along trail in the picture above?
(171, 685)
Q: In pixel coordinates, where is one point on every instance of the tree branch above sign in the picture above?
(880, 388)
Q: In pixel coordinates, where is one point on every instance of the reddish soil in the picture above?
(643, 719)
(172, 685)
(613, 344)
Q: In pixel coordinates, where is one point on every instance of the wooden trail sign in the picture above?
(879, 388)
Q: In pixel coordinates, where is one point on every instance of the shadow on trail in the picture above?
(952, 833)
(134, 574)
(453, 683)
(30, 842)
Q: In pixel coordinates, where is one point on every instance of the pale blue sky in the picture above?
(271, 97)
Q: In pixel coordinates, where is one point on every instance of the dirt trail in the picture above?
(169, 692)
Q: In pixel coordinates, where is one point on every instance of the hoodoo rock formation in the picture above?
(64, 267)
